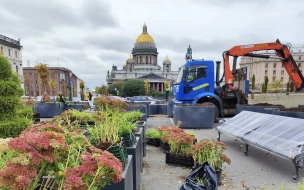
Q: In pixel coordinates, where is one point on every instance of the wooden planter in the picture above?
(194, 116)
(179, 160)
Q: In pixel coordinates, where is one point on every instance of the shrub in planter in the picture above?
(153, 137)
(104, 103)
(210, 151)
(133, 116)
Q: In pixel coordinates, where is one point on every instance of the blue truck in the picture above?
(199, 83)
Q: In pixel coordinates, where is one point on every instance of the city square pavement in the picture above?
(258, 170)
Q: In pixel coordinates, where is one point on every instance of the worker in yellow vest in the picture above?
(86, 96)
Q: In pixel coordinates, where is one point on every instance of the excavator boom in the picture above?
(282, 52)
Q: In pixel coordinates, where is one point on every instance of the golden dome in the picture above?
(144, 37)
(167, 59)
(130, 58)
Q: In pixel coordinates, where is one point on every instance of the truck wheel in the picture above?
(216, 111)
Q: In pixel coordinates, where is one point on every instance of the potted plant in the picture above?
(210, 151)
(153, 137)
(65, 159)
(180, 147)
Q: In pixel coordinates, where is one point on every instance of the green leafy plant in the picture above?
(116, 87)
(153, 134)
(210, 151)
(104, 103)
(133, 116)
(253, 82)
(202, 181)
(134, 87)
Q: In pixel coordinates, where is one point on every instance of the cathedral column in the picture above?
(162, 87)
(157, 86)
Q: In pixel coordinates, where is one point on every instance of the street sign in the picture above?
(71, 82)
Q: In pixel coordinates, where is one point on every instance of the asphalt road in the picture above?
(258, 170)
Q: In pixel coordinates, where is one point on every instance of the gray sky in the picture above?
(89, 36)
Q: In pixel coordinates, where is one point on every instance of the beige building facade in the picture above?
(273, 68)
(12, 50)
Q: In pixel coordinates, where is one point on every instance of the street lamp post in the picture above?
(70, 86)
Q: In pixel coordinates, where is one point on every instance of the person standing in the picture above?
(86, 96)
(61, 98)
(90, 96)
(45, 98)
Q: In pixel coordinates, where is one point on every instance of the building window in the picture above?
(282, 65)
(282, 79)
(273, 79)
(140, 60)
(266, 65)
(17, 69)
(250, 74)
(274, 65)
(9, 52)
(266, 72)
(251, 66)
(300, 57)
(274, 72)
(299, 65)
(1, 50)
(16, 54)
(282, 72)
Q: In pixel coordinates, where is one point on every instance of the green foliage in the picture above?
(153, 133)
(288, 86)
(13, 127)
(276, 86)
(263, 88)
(6, 70)
(253, 82)
(266, 80)
(134, 87)
(133, 116)
(81, 85)
(14, 116)
(119, 87)
(155, 93)
(101, 90)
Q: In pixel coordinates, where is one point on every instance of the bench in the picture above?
(283, 136)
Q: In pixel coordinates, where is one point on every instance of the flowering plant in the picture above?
(104, 103)
(210, 151)
(47, 149)
(179, 141)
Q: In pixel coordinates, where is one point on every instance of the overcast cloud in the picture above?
(89, 36)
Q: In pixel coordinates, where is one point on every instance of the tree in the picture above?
(43, 75)
(14, 116)
(27, 82)
(288, 86)
(52, 86)
(104, 90)
(253, 82)
(134, 87)
(147, 87)
(116, 88)
(265, 84)
(276, 86)
(81, 85)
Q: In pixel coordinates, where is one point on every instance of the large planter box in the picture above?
(36, 117)
(153, 109)
(293, 114)
(49, 110)
(140, 134)
(194, 116)
(153, 142)
(170, 109)
(79, 107)
(257, 108)
(127, 178)
(164, 146)
(141, 107)
(158, 109)
(145, 103)
(135, 152)
(143, 125)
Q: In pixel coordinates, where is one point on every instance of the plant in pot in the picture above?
(153, 137)
(180, 148)
(210, 151)
(65, 159)
(104, 103)
(105, 135)
(133, 116)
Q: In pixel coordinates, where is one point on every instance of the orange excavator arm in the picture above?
(282, 52)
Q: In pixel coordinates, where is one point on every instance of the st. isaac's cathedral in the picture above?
(143, 65)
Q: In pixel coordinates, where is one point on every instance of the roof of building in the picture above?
(144, 37)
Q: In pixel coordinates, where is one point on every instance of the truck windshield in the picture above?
(180, 75)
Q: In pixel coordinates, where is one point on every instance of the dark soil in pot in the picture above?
(103, 145)
(293, 109)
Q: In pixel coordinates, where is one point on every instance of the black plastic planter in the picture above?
(127, 178)
(153, 109)
(164, 145)
(179, 160)
(49, 110)
(257, 108)
(36, 117)
(162, 109)
(143, 125)
(141, 107)
(154, 142)
(135, 152)
(170, 109)
(79, 107)
(194, 116)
